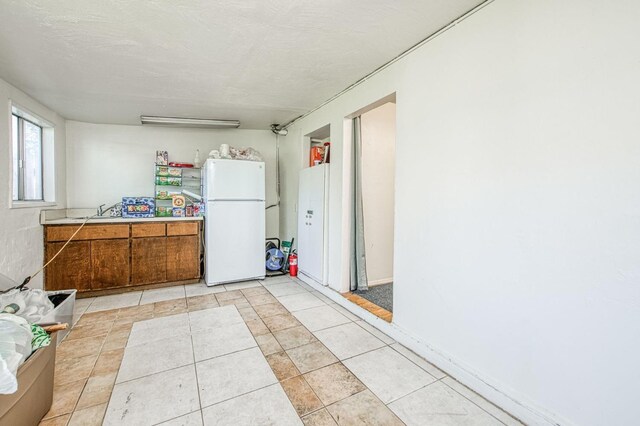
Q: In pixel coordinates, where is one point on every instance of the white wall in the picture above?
(21, 248)
(378, 128)
(106, 162)
(517, 204)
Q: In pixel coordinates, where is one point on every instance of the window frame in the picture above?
(21, 158)
(47, 161)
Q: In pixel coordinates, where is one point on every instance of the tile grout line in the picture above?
(415, 363)
(113, 323)
(299, 375)
(302, 375)
(314, 307)
(339, 361)
(244, 393)
(474, 403)
(195, 370)
(175, 418)
(184, 365)
(75, 405)
(412, 392)
(449, 387)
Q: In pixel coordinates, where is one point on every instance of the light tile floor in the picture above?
(274, 352)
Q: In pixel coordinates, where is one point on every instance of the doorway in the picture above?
(374, 141)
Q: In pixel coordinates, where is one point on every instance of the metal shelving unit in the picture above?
(190, 179)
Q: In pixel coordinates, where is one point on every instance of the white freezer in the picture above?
(234, 180)
(312, 229)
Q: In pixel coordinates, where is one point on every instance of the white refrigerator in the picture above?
(234, 191)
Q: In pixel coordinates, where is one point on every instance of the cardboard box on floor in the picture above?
(34, 396)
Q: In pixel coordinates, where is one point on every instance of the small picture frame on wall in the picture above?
(162, 158)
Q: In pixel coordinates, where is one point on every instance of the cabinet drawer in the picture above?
(89, 232)
(148, 230)
(182, 228)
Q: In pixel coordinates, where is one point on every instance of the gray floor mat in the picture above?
(381, 295)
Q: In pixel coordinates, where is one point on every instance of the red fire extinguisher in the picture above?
(293, 264)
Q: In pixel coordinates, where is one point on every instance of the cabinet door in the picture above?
(311, 244)
(183, 258)
(109, 264)
(71, 269)
(235, 252)
(148, 260)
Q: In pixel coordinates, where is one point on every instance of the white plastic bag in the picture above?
(248, 154)
(33, 303)
(15, 348)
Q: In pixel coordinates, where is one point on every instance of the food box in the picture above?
(178, 212)
(198, 209)
(178, 201)
(168, 171)
(138, 207)
(162, 211)
(168, 180)
(29, 404)
(162, 158)
(165, 194)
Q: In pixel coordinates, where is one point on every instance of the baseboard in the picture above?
(506, 399)
(308, 280)
(380, 282)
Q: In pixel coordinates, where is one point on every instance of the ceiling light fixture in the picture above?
(205, 123)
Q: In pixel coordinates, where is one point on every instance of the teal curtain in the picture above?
(358, 256)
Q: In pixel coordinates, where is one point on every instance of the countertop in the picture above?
(104, 219)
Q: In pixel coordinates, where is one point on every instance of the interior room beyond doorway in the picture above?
(376, 154)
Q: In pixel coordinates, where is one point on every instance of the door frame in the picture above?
(347, 192)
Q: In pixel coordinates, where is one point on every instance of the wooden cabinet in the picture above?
(148, 260)
(111, 256)
(183, 228)
(183, 258)
(88, 232)
(72, 267)
(139, 230)
(109, 264)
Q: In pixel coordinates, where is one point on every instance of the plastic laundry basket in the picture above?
(63, 300)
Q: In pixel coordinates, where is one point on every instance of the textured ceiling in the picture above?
(259, 61)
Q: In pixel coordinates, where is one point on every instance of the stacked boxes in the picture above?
(138, 207)
(178, 204)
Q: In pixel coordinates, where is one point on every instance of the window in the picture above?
(27, 160)
(32, 160)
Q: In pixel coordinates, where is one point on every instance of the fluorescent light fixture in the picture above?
(190, 122)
